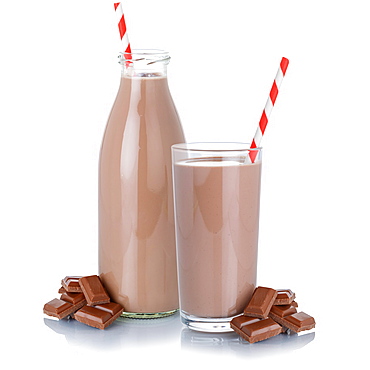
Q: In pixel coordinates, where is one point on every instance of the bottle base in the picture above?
(206, 324)
(148, 315)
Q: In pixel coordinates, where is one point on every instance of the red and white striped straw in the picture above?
(268, 108)
(122, 30)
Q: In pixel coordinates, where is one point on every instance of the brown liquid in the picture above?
(137, 258)
(217, 212)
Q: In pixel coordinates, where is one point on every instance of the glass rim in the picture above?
(146, 52)
(213, 146)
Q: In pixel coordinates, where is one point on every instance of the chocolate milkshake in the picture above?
(217, 214)
(137, 258)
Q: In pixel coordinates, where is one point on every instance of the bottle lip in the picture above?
(145, 56)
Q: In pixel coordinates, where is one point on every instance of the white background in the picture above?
(58, 79)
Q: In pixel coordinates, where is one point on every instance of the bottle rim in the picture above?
(150, 56)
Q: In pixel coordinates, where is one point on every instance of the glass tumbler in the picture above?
(217, 198)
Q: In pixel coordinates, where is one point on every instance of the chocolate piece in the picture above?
(294, 304)
(73, 298)
(70, 284)
(111, 307)
(99, 316)
(255, 331)
(282, 311)
(284, 297)
(298, 322)
(93, 290)
(60, 308)
(240, 321)
(61, 290)
(279, 312)
(261, 302)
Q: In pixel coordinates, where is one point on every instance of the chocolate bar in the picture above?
(70, 284)
(60, 308)
(73, 298)
(297, 322)
(99, 316)
(93, 290)
(284, 297)
(261, 302)
(255, 330)
(253, 326)
(279, 312)
(240, 321)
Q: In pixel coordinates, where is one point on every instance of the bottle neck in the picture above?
(131, 70)
(145, 63)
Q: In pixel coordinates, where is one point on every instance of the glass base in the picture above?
(207, 324)
(149, 315)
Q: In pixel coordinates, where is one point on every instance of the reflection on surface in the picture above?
(123, 332)
(232, 343)
(126, 333)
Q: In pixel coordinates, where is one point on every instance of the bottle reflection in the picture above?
(124, 332)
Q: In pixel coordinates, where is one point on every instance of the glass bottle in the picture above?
(137, 254)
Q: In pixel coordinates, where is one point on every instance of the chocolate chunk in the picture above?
(255, 331)
(279, 312)
(99, 316)
(111, 307)
(240, 321)
(73, 298)
(282, 311)
(297, 322)
(261, 302)
(284, 297)
(93, 290)
(70, 284)
(61, 309)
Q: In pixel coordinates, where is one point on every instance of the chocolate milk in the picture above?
(217, 213)
(137, 255)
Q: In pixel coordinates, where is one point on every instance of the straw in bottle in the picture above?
(268, 108)
(126, 47)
